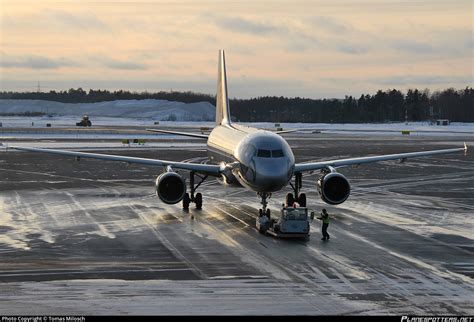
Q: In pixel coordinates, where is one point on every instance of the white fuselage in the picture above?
(266, 161)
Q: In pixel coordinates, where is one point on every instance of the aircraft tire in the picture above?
(289, 199)
(302, 199)
(186, 201)
(198, 200)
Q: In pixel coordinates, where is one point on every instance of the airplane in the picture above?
(259, 160)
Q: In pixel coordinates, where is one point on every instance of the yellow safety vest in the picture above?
(326, 220)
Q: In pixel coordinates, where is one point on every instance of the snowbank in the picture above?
(151, 109)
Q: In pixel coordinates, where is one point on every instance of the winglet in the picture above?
(465, 147)
(222, 99)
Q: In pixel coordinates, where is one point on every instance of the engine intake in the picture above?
(334, 188)
(170, 187)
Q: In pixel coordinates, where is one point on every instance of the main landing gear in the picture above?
(290, 199)
(197, 199)
(298, 196)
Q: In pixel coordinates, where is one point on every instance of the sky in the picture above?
(315, 49)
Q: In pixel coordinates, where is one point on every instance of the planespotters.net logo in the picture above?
(437, 319)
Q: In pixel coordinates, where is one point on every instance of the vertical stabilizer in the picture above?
(222, 100)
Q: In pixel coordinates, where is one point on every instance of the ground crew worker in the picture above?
(325, 218)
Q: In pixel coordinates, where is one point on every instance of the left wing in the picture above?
(302, 167)
(201, 168)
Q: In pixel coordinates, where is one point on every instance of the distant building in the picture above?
(442, 122)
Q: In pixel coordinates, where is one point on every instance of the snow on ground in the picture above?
(147, 112)
(110, 145)
(144, 109)
(416, 128)
(465, 128)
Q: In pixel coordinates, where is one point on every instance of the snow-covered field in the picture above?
(147, 112)
(140, 109)
(416, 128)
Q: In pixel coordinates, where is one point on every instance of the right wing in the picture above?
(195, 135)
(201, 168)
(302, 167)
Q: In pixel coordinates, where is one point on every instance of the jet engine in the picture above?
(333, 188)
(170, 187)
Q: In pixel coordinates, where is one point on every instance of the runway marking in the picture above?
(230, 215)
(233, 277)
(48, 174)
(297, 274)
(411, 259)
(451, 178)
(262, 262)
(343, 279)
(169, 245)
(135, 210)
(87, 271)
(406, 180)
(381, 220)
(102, 229)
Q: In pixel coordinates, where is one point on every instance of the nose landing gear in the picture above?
(263, 213)
(264, 196)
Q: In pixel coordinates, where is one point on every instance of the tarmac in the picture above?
(91, 237)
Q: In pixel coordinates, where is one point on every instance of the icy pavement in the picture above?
(91, 237)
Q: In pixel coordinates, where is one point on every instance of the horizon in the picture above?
(404, 93)
(327, 50)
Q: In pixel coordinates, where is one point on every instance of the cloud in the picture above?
(329, 24)
(302, 42)
(82, 20)
(351, 49)
(413, 46)
(36, 62)
(457, 42)
(399, 81)
(369, 43)
(42, 62)
(425, 80)
(243, 25)
(120, 64)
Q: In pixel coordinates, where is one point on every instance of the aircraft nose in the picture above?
(272, 175)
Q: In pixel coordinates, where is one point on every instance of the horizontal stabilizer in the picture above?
(194, 135)
(287, 131)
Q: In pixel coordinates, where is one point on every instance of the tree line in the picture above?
(384, 106)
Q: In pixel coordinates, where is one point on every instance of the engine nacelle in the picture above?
(170, 187)
(333, 188)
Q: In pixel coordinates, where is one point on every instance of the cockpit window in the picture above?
(270, 153)
(277, 153)
(264, 153)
